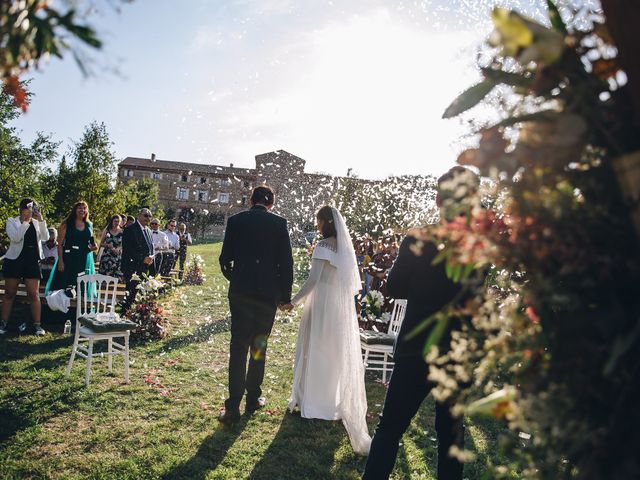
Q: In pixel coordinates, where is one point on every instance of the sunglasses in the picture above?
(147, 215)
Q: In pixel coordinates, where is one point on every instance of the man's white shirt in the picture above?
(160, 241)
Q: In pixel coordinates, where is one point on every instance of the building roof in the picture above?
(184, 167)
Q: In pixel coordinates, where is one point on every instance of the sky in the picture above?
(357, 84)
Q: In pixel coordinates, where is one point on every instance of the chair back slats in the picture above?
(96, 294)
(397, 315)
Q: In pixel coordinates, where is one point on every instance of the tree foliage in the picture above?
(24, 169)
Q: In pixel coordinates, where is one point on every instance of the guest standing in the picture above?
(75, 249)
(137, 253)
(185, 241)
(22, 261)
(111, 244)
(160, 247)
(427, 288)
(130, 221)
(174, 247)
(49, 253)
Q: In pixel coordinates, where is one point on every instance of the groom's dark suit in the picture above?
(427, 290)
(256, 258)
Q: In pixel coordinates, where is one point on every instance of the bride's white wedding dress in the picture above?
(329, 375)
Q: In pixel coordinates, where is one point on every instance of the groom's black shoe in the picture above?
(229, 417)
(253, 406)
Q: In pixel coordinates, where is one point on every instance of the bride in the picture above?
(328, 378)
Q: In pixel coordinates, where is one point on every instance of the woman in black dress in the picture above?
(22, 261)
(75, 249)
(111, 243)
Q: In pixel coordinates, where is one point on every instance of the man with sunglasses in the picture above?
(137, 253)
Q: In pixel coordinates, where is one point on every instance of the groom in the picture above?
(256, 259)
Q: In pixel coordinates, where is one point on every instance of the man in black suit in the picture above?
(256, 258)
(137, 253)
(427, 290)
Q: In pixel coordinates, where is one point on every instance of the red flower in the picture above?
(532, 314)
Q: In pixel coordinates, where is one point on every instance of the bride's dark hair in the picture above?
(328, 223)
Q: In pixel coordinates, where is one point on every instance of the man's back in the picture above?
(256, 256)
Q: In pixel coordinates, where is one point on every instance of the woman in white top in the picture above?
(329, 375)
(22, 261)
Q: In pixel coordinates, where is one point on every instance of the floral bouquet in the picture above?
(195, 275)
(371, 316)
(145, 311)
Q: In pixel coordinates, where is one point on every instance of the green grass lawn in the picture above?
(53, 427)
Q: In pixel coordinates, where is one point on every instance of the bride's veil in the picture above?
(353, 406)
(346, 256)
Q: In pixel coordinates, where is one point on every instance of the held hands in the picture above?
(148, 260)
(285, 307)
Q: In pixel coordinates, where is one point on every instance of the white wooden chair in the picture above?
(101, 298)
(377, 347)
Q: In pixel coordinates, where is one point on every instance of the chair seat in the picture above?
(371, 337)
(88, 332)
(114, 324)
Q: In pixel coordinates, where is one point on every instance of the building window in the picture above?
(156, 175)
(203, 195)
(127, 173)
(224, 182)
(218, 218)
(182, 193)
(244, 200)
(203, 179)
(223, 198)
(184, 178)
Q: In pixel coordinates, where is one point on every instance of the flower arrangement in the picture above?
(549, 338)
(371, 315)
(145, 311)
(195, 275)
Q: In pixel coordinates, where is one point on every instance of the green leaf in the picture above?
(436, 335)
(468, 268)
(556, 18)
(508, 78)
(469, 98)
(421, 326)
(541, 116)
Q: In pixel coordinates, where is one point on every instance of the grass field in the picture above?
(163, 423)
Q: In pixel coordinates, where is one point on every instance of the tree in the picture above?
(88, 173)
(139, 194)
(31, 30)
(22, 168)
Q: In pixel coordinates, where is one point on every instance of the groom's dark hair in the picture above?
(262, 195)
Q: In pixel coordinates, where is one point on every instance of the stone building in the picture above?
(192, 189)
(206, 195)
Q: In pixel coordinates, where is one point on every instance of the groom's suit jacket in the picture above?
(256, 256)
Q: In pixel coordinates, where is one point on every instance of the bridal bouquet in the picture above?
(195, 275)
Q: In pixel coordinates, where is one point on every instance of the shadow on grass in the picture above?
(201, 334)
(24, 408)
(14, 350)
(302, 448)
(210, 454)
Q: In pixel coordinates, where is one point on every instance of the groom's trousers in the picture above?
(408, 387)
(251, 324)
